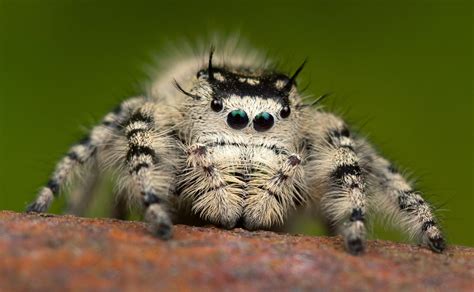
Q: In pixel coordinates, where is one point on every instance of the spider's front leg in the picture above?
(335, 167)
(150, 166)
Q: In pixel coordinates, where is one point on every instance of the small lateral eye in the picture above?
(263, 122)
(216, 105)
(285, 112)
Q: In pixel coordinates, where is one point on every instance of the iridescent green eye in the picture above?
(263, 122)
(237, 119)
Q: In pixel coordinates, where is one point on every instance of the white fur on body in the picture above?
(172, 152)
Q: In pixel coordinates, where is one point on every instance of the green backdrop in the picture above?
(400, 71)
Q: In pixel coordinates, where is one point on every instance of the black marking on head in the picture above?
(427, 225)
(357, 215)
(136, 150)
(53, 185)
(346, 169)
(257, 85)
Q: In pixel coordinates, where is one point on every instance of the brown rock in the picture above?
(50, 253)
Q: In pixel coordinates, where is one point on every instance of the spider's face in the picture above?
(245, 101)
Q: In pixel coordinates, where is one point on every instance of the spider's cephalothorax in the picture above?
(231, 143)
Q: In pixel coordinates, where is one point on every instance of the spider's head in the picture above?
(247, 99)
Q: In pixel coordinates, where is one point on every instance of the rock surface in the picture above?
(51, 253)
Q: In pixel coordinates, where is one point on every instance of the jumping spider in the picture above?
(233, 144)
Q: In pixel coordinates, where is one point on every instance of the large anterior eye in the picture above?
(263, 122)
(237, 119)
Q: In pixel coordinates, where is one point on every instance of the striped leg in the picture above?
(346, 201)
(334, 165)
(146, 162)
(78, 156)
(399, 199)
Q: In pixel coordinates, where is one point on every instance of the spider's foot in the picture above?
(437, 244)
(162, 230)
(36, 207)
(355, 246)
(160, 222)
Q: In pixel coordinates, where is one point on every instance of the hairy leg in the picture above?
(148, 162)
(334, 167)
(80, 155)
(397, 198)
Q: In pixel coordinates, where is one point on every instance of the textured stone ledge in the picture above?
(46, 253)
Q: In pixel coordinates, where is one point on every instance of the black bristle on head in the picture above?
(293, 77)
(176, 84)
(210, 69)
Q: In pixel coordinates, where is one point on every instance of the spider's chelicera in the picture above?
(232, 144)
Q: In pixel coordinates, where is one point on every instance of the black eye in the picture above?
(237, 119)
(216, 105)
(285, 112)
(263, 122)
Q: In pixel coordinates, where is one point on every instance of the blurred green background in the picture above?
(400, 71)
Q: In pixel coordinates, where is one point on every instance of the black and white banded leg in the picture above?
(145, 166)
(345, 200)
(80, 155)
(402, 201)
